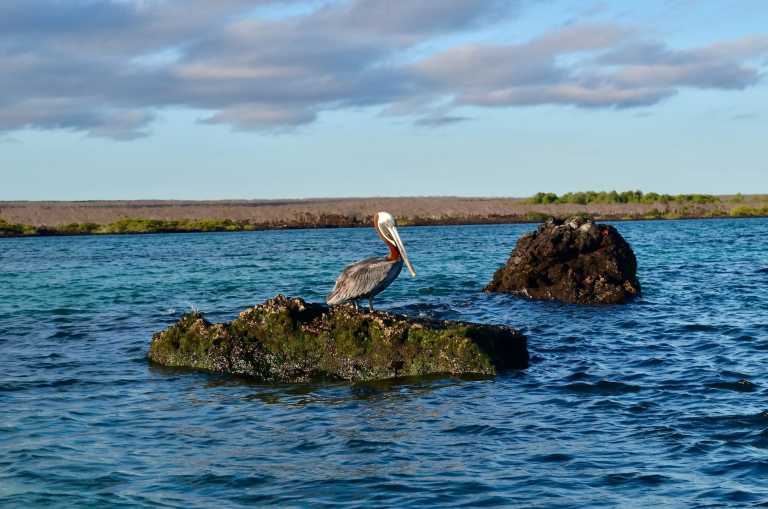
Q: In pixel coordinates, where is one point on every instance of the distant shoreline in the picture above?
(37, 219)
(257, 228)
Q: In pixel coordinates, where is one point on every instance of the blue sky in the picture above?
(191, 99)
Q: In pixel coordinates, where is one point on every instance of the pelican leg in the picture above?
(370, 303)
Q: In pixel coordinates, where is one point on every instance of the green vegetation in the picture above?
(587, 197)
(127, 226)
(74, 229)
(749, 212)
(289, 340)
(165, 226)
(14, 230)
(537, 217)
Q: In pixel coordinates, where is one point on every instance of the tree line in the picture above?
(587, 197)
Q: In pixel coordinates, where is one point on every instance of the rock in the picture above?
(575, 261)
(290, 340)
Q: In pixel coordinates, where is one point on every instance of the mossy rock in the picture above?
(290, 340)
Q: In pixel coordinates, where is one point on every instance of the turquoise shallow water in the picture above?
(663, 402)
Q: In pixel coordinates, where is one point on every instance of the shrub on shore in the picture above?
(749, 211)
(75, 229)
(126, 226)
(14, 230)
(587, 197)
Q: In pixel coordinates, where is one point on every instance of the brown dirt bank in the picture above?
(351, 211)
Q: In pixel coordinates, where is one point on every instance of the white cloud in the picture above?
(104, 67)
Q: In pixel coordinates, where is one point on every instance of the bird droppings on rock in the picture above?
(290, 340)
(574, 261)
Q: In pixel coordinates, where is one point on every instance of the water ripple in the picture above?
(658, 403)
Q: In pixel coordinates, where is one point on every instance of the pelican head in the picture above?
(387, 229)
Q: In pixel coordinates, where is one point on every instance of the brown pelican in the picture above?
(367, 278)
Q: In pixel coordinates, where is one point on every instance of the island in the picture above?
(40, 218)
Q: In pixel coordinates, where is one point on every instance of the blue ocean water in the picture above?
(662, 402)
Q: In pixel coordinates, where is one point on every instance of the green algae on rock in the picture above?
(290, 340)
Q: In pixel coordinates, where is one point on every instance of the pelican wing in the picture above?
(363, 278)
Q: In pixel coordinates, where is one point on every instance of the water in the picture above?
(657, 403)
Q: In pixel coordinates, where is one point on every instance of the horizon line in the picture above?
(333, 198)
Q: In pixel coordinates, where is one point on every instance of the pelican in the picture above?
(367, 278)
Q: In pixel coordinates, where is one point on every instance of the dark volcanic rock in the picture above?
(574, 261)
(290, 340)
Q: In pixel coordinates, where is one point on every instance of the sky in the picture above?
(262, 99)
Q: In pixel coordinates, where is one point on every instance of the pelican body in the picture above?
(367, 278)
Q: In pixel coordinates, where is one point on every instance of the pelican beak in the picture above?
(401, 248)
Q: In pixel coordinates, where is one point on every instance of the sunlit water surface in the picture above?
(658, 403)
